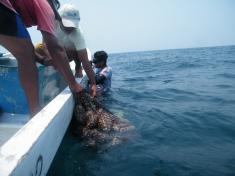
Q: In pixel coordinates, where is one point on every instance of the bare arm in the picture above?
(82, 54)
(60, 60)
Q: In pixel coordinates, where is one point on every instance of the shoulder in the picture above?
(107, 71)
(78, 39)
(78, 33)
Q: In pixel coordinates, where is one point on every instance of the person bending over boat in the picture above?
(14, 16)
(103, 73)
(71, 38)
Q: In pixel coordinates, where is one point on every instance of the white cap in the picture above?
(70, 15)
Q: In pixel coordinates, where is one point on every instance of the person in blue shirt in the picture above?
(103, 73)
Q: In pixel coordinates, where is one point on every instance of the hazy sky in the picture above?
(136, 25)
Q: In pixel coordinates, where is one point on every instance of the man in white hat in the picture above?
(71, 38)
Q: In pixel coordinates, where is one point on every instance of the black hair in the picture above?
(101, 56)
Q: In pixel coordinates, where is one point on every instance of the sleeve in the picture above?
(78, 40)
(45, 16)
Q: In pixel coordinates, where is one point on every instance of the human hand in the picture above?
(76, 88)
(93, 90)
(48, 62)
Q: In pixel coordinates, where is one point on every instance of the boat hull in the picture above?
(12, 97)
(31, 150)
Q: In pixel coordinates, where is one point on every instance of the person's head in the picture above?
(40, 49)
(70, 18)
(100, 59)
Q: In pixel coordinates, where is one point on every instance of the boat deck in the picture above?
(10, 124)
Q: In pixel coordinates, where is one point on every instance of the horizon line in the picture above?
(165, 49)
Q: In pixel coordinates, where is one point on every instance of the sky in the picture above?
(140, 25)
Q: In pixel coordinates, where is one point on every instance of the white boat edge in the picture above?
(31, 150)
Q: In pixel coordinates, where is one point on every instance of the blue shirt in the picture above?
(107, 72)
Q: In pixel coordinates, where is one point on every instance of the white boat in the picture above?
(32, 148)
(27, 147)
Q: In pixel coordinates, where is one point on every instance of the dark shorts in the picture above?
(11, 24)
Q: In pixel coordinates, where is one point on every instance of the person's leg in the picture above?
(15, 38)
(23, 50)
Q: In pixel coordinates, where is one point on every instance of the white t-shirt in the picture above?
(74, 39)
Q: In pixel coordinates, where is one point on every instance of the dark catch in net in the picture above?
(96, 125)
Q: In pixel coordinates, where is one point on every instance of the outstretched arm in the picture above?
(83, 56)
(60, 60)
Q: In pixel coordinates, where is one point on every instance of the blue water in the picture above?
(182, 103)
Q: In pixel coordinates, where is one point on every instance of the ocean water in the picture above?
(182, 104)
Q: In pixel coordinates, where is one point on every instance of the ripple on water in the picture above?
(227, 75)
(181, 102)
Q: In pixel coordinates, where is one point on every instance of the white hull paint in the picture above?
(31, 150)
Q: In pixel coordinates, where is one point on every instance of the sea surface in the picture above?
(182, 104)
